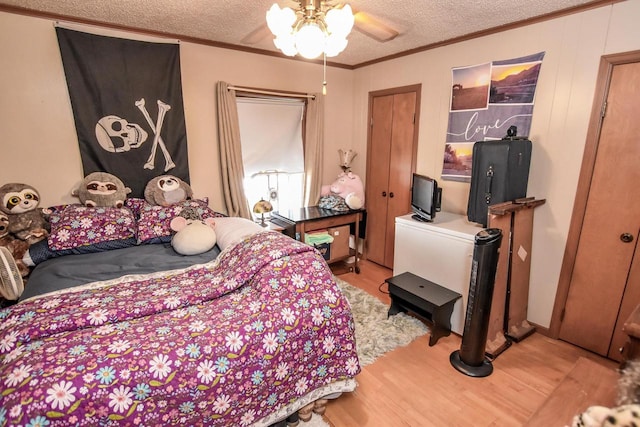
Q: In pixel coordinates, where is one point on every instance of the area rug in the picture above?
(375, 333)
(315, 421)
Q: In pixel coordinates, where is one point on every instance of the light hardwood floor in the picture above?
(417, 386)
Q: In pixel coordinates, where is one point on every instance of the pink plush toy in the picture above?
(349, 187)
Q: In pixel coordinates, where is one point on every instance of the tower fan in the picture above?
(11, 284)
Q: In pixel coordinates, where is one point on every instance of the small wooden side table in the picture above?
(316, 218)
(632, 329)
(428, 300)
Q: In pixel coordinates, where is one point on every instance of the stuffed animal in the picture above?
(629, 383)
(348, 186)
(627, 413)
(193, 234)
(20, 204)
(101, 189)
(17, 247)
(601, 416)
(166, 190)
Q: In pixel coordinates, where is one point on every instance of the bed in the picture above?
(245, 334)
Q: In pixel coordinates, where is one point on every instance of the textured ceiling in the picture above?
(419, 22)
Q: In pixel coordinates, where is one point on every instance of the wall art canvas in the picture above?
(487, 99)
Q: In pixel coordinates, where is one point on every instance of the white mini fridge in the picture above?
(440, 251)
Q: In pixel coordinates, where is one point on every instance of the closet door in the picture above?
(605, 282)
(379, 153)
(390, 162)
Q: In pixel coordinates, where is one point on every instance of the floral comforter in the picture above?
(227, 343)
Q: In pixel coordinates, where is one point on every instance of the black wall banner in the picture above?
(126, 97)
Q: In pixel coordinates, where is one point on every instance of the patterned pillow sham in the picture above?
(135, 204)
(154, 221)
(77, 225)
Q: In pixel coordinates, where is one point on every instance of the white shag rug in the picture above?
(375, 333)
(315, 421)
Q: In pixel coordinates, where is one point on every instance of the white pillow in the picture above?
(230, 230)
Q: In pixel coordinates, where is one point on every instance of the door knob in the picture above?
(391, 195)
(626, 237)
(384, 194)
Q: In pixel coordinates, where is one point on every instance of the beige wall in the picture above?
(573, 46)
(39, 144)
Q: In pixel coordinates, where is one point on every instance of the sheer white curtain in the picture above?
(271, 130)
(232, 170)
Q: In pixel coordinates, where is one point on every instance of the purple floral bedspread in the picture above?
(225, 343)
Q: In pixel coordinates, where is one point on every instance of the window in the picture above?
(272, 150)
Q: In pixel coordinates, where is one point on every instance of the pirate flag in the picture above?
(126, 97)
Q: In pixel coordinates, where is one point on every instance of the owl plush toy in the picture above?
(166, 190)
(20, 204)
(101, 189)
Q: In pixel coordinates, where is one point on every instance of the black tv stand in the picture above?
(421, 219)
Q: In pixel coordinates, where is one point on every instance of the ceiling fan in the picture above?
(363, 22)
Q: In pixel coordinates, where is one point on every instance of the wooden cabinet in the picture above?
(391, 152)
(440, 251)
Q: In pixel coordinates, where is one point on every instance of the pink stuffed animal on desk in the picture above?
(348, 186)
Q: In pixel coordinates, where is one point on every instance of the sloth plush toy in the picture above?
(101, 189)
(16, 247)
(166, 190)
(20, 204)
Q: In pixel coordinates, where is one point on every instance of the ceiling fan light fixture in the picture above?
(334, 45)
(286, 43)
(340, 21)
(279, 20)
(310, 41)
(316, 28)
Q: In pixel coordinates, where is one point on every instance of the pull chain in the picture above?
(324, 74)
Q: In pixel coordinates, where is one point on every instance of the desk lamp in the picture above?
(261, 208)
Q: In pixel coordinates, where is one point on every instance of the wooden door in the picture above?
(400, 167)
(390, 162)
(602, 292)
(379, 154)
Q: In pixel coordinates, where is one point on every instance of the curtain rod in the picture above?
(266, 92)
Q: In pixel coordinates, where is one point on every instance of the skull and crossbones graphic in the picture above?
(117, 135)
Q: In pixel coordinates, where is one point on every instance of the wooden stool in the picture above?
(428, 300)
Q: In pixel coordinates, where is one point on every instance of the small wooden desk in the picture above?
(315, 218)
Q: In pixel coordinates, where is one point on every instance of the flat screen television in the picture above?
(426, 198)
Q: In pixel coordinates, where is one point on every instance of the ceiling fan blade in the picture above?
(373, 28)
(257, 35)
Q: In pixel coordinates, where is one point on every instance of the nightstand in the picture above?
(273, 227)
